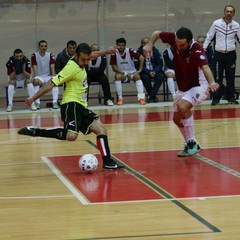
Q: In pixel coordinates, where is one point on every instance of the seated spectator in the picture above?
(95, 73)
(43, 64)
(169, 71)
(19, 75)
(122, 63)
(152, 70)
(65, 55)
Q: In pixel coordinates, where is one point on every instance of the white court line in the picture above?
(72, 189)
(168, 200)
(36, 197)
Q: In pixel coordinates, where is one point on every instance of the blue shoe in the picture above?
(193, 147)
(38, 106)
(184, 152)
(55, 105)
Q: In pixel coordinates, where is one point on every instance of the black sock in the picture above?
(58, 133)
(102, 143)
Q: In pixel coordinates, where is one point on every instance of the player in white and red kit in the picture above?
(122, 63)
(43, 64)
(194, 79)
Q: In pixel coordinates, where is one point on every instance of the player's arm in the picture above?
(209, 37)
(97, 54)
(43, 90)
(147, 49)
(116, 69)
(213, 86)
(52, 67)
(141, 63)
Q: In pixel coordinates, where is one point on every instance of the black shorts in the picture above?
(77, 118)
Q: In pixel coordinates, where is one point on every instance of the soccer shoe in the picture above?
(232, 101)
(55, 105)
(215, 101)
(155, 99)
(184, 152)
(9, 108)
(33, 107)
(142, 101)
(192, 147)
(109, 102)
(120, 101)
(38, 106)
(29, 130)
(112, 165)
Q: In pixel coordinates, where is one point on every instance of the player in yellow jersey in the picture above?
(74, 112)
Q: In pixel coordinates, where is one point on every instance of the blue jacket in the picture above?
(156, 60)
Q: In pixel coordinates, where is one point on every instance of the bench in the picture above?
(47, 98)
(161, 92)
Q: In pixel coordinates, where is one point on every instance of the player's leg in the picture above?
(119, 77)
(103, 146)
(70, 120)
(30, 90)
(37, 83)
(140, 90)
(10, 92)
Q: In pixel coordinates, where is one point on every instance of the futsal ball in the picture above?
(88, 163)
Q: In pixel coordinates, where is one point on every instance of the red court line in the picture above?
(103, 186)
(181, 177)
(124, 118)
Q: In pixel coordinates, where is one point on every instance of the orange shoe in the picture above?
(120, 101)
(142, 101)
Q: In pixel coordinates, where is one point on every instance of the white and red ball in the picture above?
(88, 163)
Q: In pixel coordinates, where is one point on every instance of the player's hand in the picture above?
(28, 101)
(213, 87)
(112, 50)
(147, 50)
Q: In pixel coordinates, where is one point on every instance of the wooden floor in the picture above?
(44, 194)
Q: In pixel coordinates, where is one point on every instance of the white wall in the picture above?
(23, 23)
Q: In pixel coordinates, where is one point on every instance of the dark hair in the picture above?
(184, 33)
(121, 40)
(230, 6)
(72, 43)
(83, 48)
(42, 41)
(18, 50)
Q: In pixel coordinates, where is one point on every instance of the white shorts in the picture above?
(20, 80)
(44, 78)
(195, 96)
(131, 76)
(20, 83)
(168, 70)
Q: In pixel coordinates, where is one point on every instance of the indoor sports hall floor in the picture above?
(44, 194)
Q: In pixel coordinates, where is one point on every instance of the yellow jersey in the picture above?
(75, 85)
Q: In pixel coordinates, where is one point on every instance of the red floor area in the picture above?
(123, 118)
(103, 186)
(162, 173)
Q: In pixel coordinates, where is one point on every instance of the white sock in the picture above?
(140, 90)
(118, 86)
(55, 92)
(189, 128)
(36, 88)
(171, 86)
(10, 94)
(30, 89)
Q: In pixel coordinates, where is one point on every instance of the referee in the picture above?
(225, 32)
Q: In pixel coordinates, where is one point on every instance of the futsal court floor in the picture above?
(157, 196)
